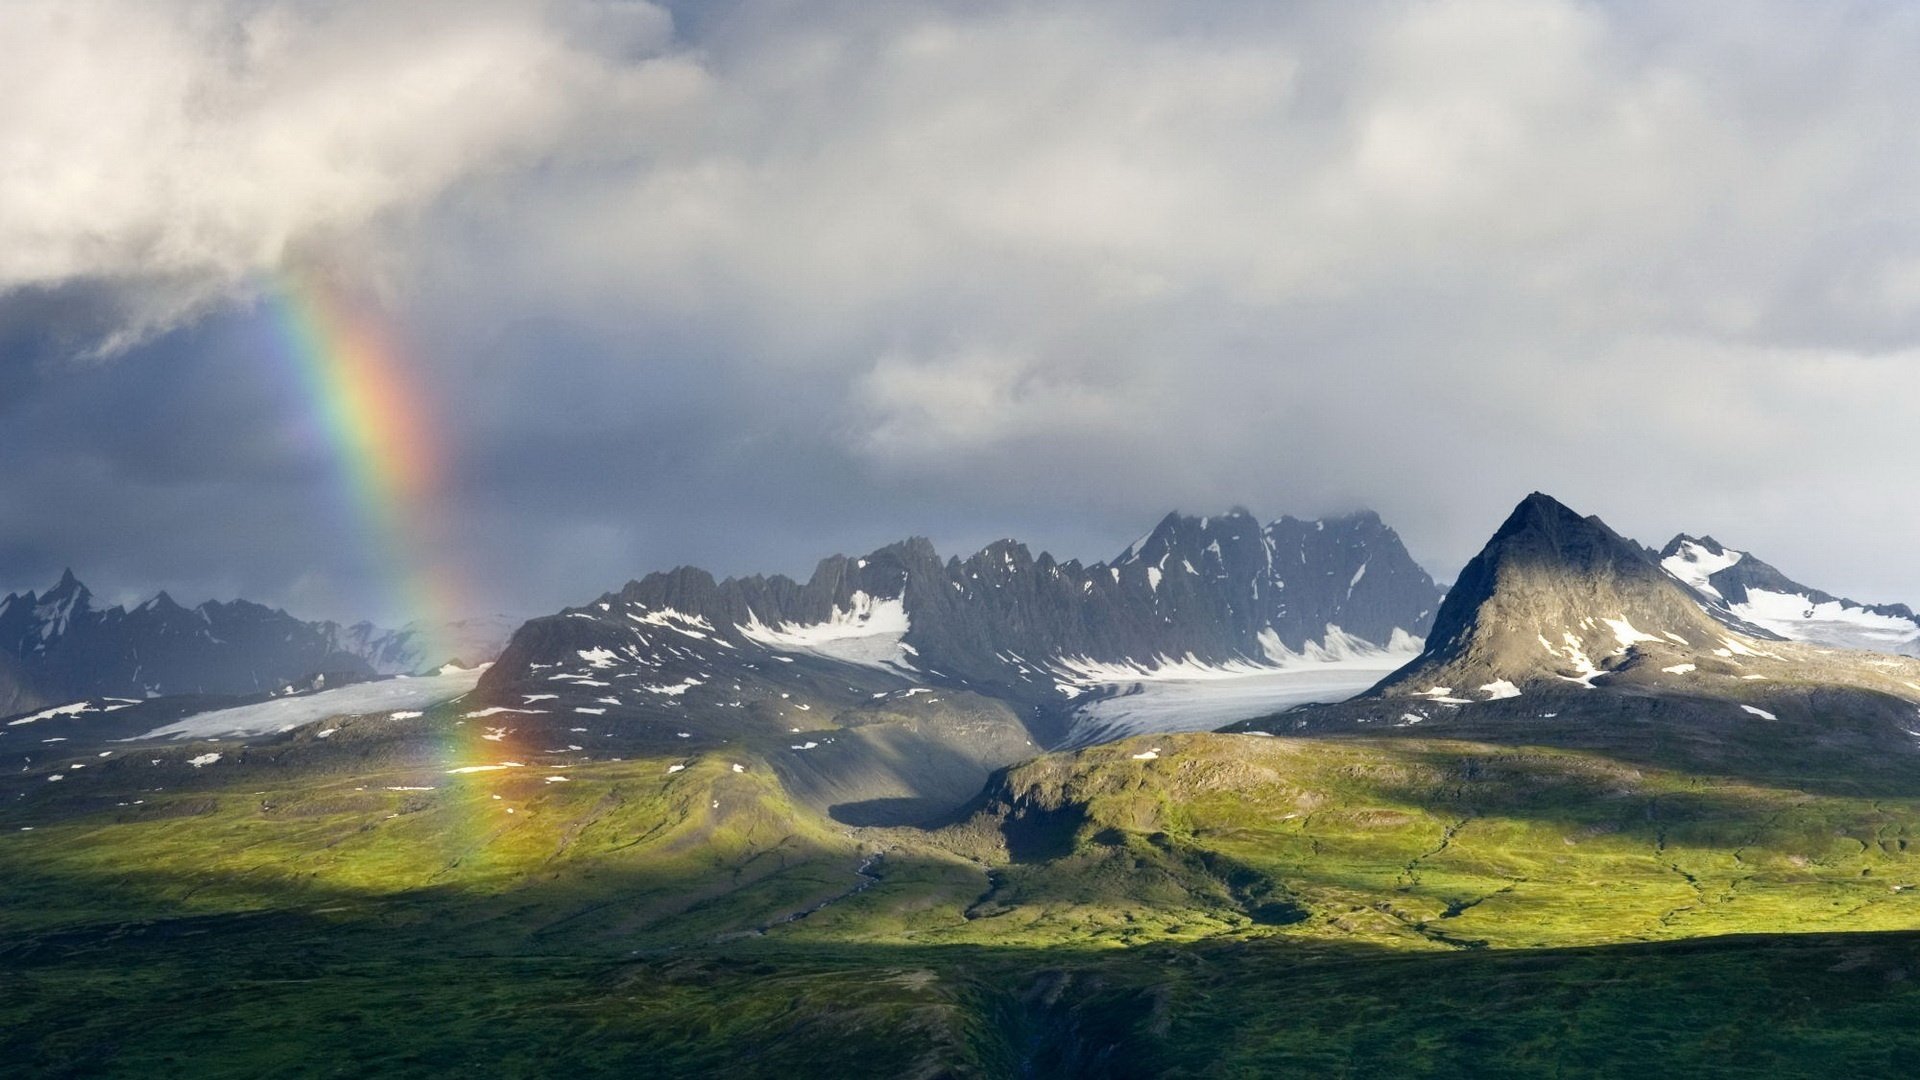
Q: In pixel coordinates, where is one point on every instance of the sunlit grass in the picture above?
(265, 921)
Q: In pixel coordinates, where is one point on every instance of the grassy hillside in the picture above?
(1229, 905)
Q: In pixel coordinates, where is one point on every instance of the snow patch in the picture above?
(1833, 623)
(1499, 689)
(693, 626)
(74, 709)
(280, 714)
(1694, 564)
(1625, 634)
(869, 632)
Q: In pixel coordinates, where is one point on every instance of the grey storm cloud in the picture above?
(740, 284)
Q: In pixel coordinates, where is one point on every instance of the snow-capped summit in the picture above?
(1748, 592)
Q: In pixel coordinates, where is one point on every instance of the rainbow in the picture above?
(380, 428)
(392, 466)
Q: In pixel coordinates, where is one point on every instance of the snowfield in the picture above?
(285, 714)
(1831, 624)
(870, 633)
(1121, 700)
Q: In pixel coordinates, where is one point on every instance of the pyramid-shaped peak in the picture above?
(1550, 599)
(1544, 529)
(160, 601)
(1543, 513)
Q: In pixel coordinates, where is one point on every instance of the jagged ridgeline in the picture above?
(1210, 592)
(60, 646)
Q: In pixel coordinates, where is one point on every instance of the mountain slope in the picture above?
(1746, 592)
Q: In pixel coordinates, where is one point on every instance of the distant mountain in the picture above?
(58, 647)
(1744, 591)
(1203, 593)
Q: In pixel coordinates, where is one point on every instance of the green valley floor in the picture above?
(1194, 905)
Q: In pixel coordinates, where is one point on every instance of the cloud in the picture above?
(179, 150)
(740, 283)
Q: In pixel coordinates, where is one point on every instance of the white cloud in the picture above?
(977, 400)
(182, 148)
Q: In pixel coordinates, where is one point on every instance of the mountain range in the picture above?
(59, 646)
(980, 817)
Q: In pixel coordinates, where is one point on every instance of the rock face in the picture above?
(56, 646)
(1747, 593)
(1550, 598)
(1208, 591)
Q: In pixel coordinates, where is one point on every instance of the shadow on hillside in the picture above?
(1846, 744)
(297, 994)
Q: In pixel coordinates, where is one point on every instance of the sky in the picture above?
(741, 284)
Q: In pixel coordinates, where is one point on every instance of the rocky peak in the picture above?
(1553, 598)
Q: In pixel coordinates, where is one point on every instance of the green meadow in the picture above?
(1234, 906)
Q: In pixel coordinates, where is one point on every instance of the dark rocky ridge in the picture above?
(1214, 589)
(57, 647)
(885, 689)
